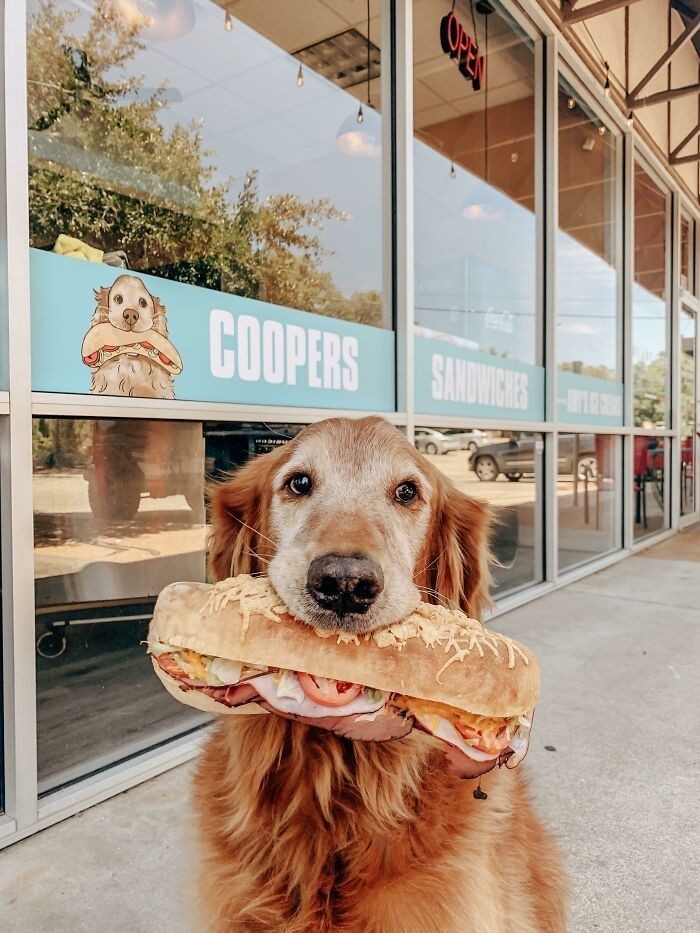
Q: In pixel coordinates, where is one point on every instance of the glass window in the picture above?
(687, 251)
(503, 468)
(587, 255)
(588, 497)
(689, 402)
(118, 514)
(649, 465)
(650, 320)
(221, 149)
(474, 178)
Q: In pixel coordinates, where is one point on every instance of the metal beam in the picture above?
(684, 160)
(684, 37)
(594, 9)
(684, 142)
(663, 96)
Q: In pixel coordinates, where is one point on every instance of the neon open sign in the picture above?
(457, 43)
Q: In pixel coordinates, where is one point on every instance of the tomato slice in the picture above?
(493, 743)
(92, 358)
(110, 349)
(164, 359)
(146, 346)
(328, 692)
(169, 664)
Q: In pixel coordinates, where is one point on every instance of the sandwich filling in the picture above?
(476, 743)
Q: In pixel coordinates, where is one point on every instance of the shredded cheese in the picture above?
(436, 626)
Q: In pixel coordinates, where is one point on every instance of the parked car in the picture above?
(514, 456)
(468, 440)
(429, 441)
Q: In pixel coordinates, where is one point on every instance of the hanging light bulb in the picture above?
(571, 103)
(360, 118)
(300, 77)
(228, 21)
(630, 119)
(606, 87)
(601, 131)
(453, 171)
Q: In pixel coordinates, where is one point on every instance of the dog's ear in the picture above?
(240, 539)
(160, 323)
(455, 560)
(101, 314)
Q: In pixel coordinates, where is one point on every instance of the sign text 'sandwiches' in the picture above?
(457, 43)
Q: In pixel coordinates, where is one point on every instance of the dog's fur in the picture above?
(131, 375)
(301, 830)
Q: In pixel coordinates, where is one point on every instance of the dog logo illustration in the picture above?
(127, 346)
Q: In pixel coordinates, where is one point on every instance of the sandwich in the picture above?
(104, 341)
(234, 647)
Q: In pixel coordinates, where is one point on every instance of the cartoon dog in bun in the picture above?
(127, 346)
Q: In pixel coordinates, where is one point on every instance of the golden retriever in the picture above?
(129, 306)
(301, 830)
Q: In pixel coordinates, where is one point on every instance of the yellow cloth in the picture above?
(76, 249)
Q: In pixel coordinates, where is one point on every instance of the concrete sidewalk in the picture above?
(620, 653)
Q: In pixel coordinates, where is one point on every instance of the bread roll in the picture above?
(435, 654)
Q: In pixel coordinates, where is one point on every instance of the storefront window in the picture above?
(474, 178)
(503, 468)
(650, 321)
(687, 251)
(220, 149)
(588, 497)
(689, 402)
(118, 514)
(587, 255)
(649, 464)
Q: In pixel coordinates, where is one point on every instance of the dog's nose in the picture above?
(131, 316)
(345, 584)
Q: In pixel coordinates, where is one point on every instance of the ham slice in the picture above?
(386, 725)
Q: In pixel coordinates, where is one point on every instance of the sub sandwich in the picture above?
(104, 341)
(234, 647)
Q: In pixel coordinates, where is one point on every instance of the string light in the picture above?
(601, 131)
(300, 77)
(228, 21)
(606, 87)
(453, 171)
(630, 119)
(571, 103)
(360, 115)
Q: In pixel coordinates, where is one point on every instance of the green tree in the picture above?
(104, 169)
(650, 391)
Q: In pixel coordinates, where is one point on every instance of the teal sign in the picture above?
(587, 400)
(106, 331)
(453, 380)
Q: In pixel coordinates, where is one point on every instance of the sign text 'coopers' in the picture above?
(473, 383)
(245, 347)
(457, 43)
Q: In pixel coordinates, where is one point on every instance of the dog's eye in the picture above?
(118, 299)
(299, 484)
(142, 302)
(405, 492)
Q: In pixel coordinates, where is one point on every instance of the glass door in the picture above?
(689, 412)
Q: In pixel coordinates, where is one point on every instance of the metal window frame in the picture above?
(24, 813)
(690, 305)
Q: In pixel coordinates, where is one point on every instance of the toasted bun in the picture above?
(434, 654)
(128, 342)
(200, 700)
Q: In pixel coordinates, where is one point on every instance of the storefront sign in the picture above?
(457, 43)
(587, 400)
(107, 331)
(453, 380)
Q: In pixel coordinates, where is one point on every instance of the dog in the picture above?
(129, 306)
(300, 830)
